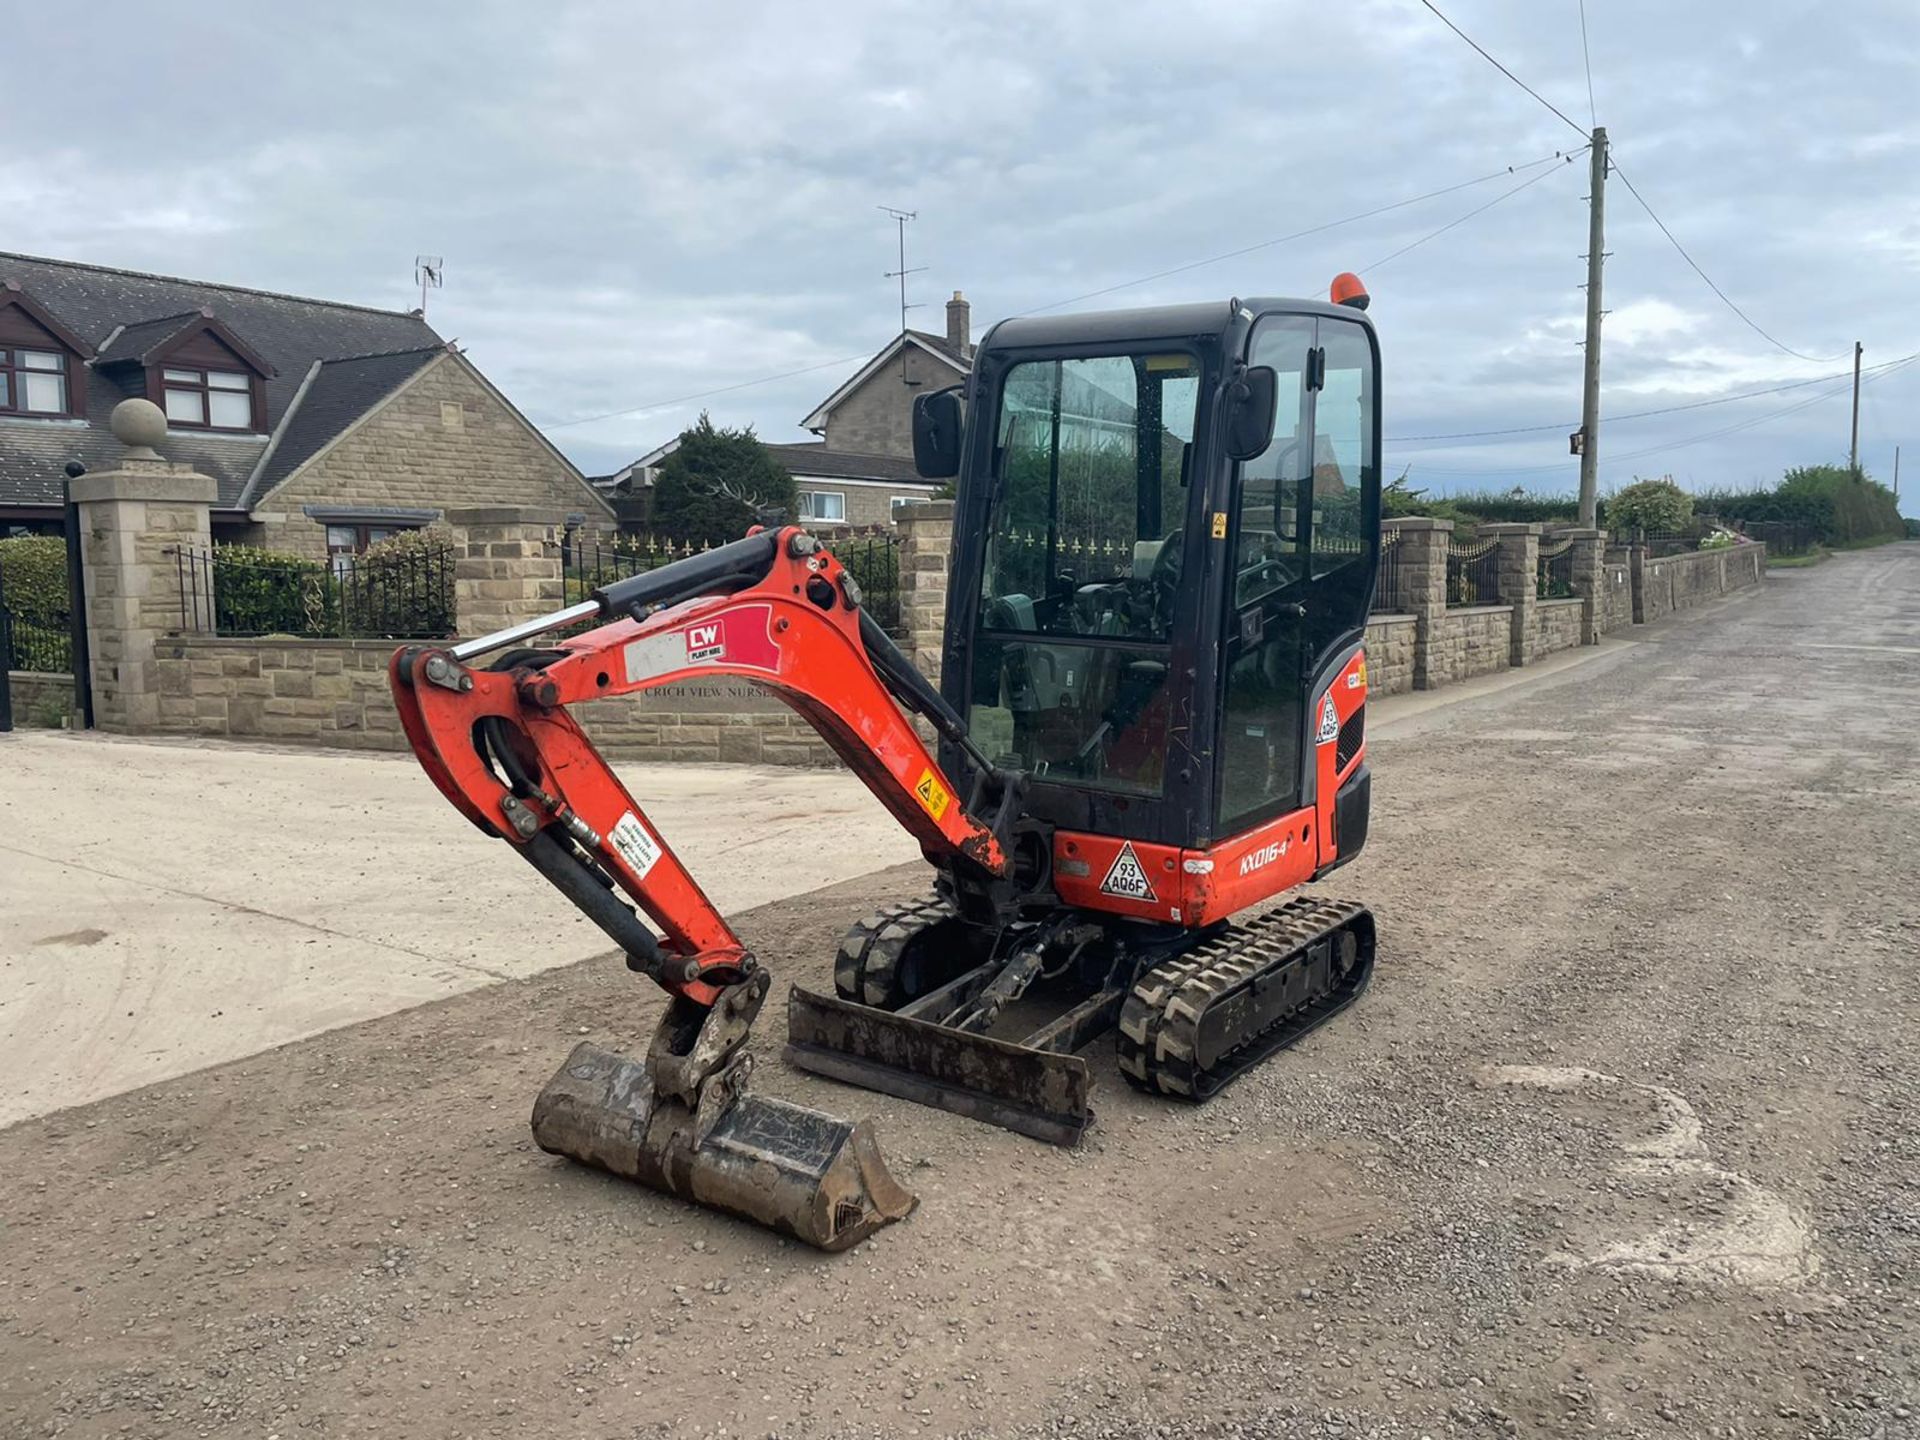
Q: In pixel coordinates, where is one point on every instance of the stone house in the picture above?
(860, 470)
(326, 426)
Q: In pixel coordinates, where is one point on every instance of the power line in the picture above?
(1478, 210)
(1667, 446)
(704, 394)
(1091, 294)
(1646, 414)
(1745, 318)
(1296, 235)
(1503, 69)
(1586, 55)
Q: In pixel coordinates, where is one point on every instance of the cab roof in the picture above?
(1208, 318)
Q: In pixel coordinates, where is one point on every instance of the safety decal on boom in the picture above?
(639, 849)
(1127, 877)
(931, 794)
(1329, 730)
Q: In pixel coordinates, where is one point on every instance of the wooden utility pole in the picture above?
(1853, 446)
(1896, 473)
(1590, 394)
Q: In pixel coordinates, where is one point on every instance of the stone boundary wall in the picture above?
(1390, 641)
(1559, 622)
(322, 692)
(1679, 582)
(37, 693)
(149, 678)
(1470, 642)
(335, 692)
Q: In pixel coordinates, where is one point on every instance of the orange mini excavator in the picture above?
(1150, 720)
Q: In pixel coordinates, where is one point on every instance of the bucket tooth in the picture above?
(804, 1173)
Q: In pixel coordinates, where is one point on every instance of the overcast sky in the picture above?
(639, 203)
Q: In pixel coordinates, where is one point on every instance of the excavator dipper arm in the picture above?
(777, 610)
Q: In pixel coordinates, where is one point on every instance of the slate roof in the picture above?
(939, 342)
(288, 331)
(812, 458)
(342, 391)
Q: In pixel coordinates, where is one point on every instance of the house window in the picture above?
(346, 541)
(208, 399)
(822, 505)
(899, 502)
(33, 382)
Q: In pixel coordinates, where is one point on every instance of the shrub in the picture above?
(403, 585)
(33, 569)
(1841, 506)
(1653, 505)
(268, 592)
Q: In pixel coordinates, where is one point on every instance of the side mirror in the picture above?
(1251, 400)
(936, 435)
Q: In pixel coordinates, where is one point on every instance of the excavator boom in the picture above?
(775, 609)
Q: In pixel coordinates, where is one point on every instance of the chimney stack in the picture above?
(960, 326)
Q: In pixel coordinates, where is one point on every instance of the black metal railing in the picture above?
(872, 558)
(402, 594)
(1386, 583)
(1555, 574)
(1473, 574)
(31, 645)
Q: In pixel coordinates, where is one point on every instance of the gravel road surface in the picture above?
(1621, 1142)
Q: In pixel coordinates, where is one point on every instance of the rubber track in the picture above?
(1160, 1021)
(867, 968)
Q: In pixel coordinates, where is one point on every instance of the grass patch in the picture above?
(1798, 562)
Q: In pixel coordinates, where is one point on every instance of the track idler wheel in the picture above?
(898, 954)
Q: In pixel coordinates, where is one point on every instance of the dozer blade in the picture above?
(798, 1171)
(1041, 1093)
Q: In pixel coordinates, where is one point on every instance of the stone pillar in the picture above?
(133, 521)
(1423, 584)
(926, 542)
(1517, 579)
(506, 566)
(1589, 579)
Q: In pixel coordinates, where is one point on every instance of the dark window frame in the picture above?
(11, 369)
(158, 384)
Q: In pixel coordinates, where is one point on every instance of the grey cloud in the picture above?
(639, 203)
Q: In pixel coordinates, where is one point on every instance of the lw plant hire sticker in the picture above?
(1127, 877)
(706, 642)
(1329, 730)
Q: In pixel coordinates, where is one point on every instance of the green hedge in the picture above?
(1842, 507)
(33, 569)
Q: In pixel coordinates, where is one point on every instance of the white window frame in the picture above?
(809, 502)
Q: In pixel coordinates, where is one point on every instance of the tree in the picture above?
(1655, 505)
(719, 482)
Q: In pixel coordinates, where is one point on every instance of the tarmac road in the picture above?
(1622, 1141)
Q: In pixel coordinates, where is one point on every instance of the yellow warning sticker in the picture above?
(1169, 362)
(1358, 679)
(932, 794)
(1219, 524)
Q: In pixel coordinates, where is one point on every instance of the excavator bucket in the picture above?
(804, 1173)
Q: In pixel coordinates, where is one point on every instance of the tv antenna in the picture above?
(427, 273)
(900, 219)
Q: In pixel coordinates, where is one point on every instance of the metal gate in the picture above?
(48, 643)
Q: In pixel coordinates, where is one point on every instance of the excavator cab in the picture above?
(1167, 530)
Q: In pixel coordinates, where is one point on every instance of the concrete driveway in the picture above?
(169, 905)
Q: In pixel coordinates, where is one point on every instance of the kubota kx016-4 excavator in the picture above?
(1150, 718)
